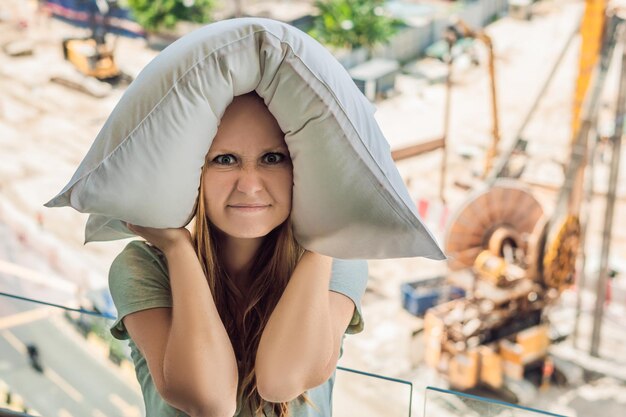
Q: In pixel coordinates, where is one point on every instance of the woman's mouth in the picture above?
(249, 208)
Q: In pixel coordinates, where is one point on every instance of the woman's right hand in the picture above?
(164, 239)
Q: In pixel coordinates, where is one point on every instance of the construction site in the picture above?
(505, 121)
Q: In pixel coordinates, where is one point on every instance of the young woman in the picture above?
(236, 318)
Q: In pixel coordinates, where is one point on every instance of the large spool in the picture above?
(505, 214)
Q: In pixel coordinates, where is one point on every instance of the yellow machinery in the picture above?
(92, 55)
(496, 251)
(90, 58)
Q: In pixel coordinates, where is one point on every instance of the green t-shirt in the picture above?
(139, 280)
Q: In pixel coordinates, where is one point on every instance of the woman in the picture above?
(236, 318)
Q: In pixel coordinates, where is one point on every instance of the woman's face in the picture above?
(248, 174)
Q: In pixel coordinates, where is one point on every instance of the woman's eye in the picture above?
(224, 159)
(273, 158)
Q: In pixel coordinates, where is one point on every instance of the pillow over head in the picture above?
(144, 166)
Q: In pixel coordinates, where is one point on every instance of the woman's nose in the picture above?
(249, 181)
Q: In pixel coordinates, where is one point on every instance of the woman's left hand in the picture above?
(164, 239)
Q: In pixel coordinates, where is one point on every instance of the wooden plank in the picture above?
(417, 149)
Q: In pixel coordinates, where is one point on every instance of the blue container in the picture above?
(419, 296)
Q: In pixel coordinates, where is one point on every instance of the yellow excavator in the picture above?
(92, 55)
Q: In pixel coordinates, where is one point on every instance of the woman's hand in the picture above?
(164, 239)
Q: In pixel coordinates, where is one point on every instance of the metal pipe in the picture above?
(461, 29)
(584, 219)
(493, 151)
(450, 38)
(616, 141)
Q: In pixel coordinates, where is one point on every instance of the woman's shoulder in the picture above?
(138, 280)
(141, 249)
(139, 259)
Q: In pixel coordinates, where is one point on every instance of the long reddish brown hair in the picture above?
(245, 315)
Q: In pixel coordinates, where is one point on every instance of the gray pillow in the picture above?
(144, 166)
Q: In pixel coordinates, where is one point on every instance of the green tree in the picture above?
(155, 15)
(353, 23)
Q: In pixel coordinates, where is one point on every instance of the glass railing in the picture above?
(365, 394)
(63, 361)
(445, 403)
(5, 412)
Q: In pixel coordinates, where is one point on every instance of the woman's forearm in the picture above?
(297, 342)
(199, 364)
